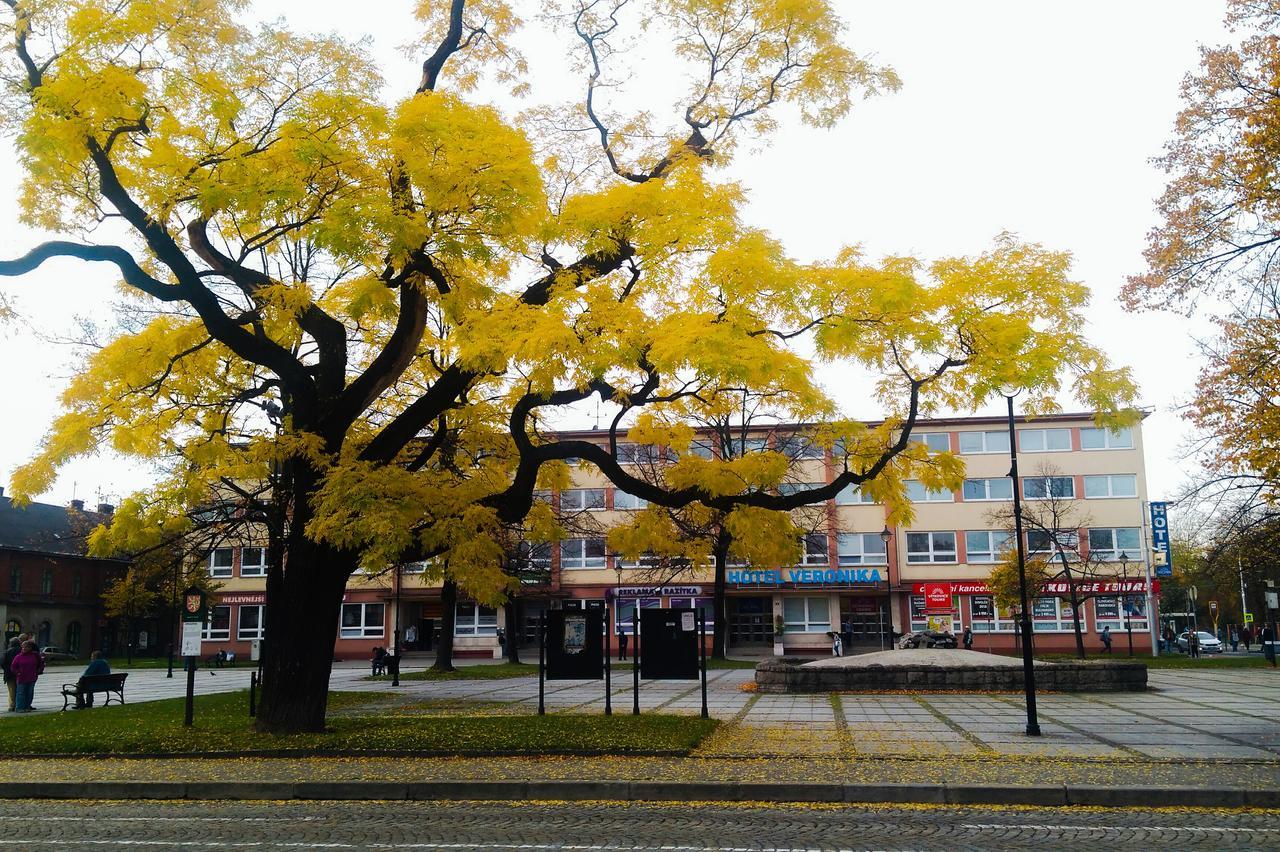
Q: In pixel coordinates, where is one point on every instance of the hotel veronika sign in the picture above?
(805, 577)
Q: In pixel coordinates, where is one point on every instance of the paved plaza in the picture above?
(1201, 714)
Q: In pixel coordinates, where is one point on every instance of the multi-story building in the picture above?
(858, 574)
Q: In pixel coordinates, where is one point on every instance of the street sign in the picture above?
(1213, 607)
(1160, 539)
(1248, 618)
(194, 606)
(1273, 600)
(191, 638)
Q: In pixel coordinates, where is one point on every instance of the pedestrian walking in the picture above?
(1235, 639)
(1269, 644)
(1106, 640)
(1246, 636)
(622, 643)
(1193, 644)
(837, 646)
(968, 639)
(10, 679)
(379, 660)
(27, 667)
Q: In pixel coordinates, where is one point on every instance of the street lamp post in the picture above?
(885, 535)
(1125, 599)
(1028, 663)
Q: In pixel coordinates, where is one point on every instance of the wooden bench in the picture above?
(107, 683)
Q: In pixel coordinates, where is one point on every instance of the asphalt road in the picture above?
(606, 827)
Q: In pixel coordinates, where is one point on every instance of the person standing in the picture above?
(622, 643)
(1193, 644)
(1269, 644)
(1247, 637)
(27, 668)
(411, 637)
(1235, 639)
(1106, 640)
(837, 646)
(10, 681)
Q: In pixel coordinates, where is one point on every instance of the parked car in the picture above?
(928, 639)
(53, 654)
(1209, 643)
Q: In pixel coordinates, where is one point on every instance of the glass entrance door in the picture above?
(750, 621)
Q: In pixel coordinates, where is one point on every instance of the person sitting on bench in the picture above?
(97, 666)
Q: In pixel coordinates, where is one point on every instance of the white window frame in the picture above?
(786, 489)
(472, 619)
(1112, 553)
(931, 439)
(852, 495)
(1043, 435)
(1109, 480)
(208, 633)
(1061, 623)
(851, 549)
(1118, 439)
(1138, 623)
(582, 500)
(927, 495)
(995, 542)
(580, 561)
(221, 572)
(1046, 484)
(810, 556)
(364, 629)
(624, 502)
(934, 551)
(809, 620)
(644, 560)
(919, 619)
(251, 633)
(985, 439)
(985, 483)
(631, 452)
(253, 569)
(1064, 541)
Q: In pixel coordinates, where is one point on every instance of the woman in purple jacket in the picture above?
(27, 668)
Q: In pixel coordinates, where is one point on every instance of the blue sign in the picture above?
(1160, 540)
(806, 576)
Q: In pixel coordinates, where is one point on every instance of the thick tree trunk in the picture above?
(444, 651)
(513, 629)
(303, 607)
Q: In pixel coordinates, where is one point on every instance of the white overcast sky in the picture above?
(1033, 117)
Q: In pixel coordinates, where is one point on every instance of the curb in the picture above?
(1049, 795)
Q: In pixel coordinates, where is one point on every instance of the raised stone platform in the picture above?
(941, 670)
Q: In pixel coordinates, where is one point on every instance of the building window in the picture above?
(1106, 439)
(1053, 615)
(1044, 541)
(1107, 543)
(624, 612)
(786, 489)
(937, 442)
(803, 448)
(703, 449)
(924, 619)
(73, 637)
(1112, 611)
(806, 615)
(627, 502)
(362, 621)
(533, 561)
(581, 499)
(220, 562)
(999, 488)
(861, 549)
(251, 621)
(985, 545)
(77, 581)
(253, 562)
(471, 619)
(815, 550)
(852, 495)
(1048, 487)
(1110, 485)
(917, 493)
(1044, 440)
(582, 553)
(218, 627)
(740, 448)
(15, 579)
(984, 442)
(707, 605)
(931, 547)
(46, 582)
(637, 454)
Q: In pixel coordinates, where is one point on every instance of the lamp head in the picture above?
(886, 534)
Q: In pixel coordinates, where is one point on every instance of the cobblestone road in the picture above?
(606, 827)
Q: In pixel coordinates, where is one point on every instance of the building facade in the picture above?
(858, 575)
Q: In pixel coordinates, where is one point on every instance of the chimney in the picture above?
(105, 508)
(78, 505)
(1, 490)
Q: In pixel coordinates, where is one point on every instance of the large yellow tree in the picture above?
(375, 305)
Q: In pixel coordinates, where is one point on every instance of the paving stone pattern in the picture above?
(1229, 714)
(606, 827)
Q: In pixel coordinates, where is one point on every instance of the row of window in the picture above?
(253, 562)
(1048, 615)
(46, 581)
(970, 443)
(358, 621)
(1096, 486)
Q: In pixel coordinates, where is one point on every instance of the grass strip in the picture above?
(222, 724)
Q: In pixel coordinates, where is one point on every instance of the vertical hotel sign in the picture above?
(1160, 539)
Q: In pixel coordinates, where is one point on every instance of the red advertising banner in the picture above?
(937, 596)
(1086, 587)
